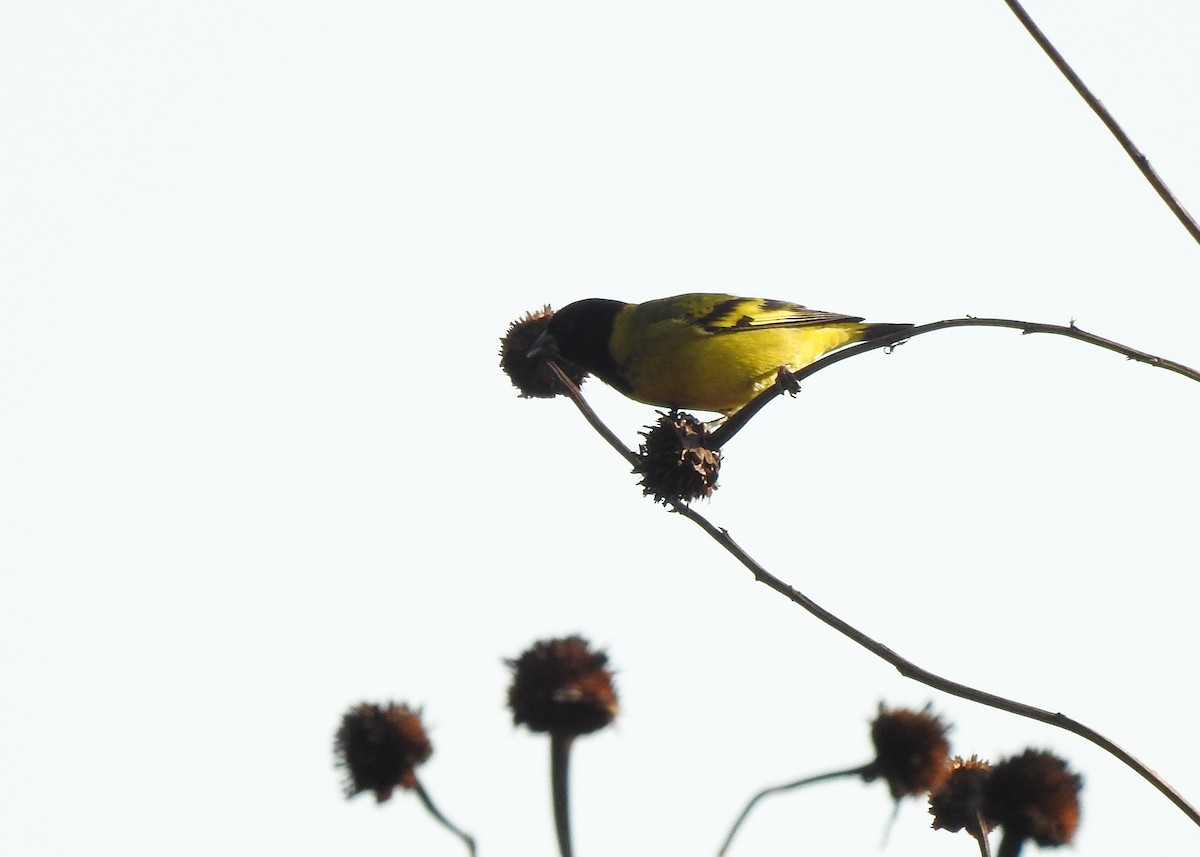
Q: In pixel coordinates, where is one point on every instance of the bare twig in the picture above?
(588, 414)
(560, 758)
(905, 667)
(735, 423)
(1142, 162)
(910, 670)
(980, 835)
(467, 839)
(807, 781)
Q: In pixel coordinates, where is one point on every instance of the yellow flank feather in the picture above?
(710, 352)
(717, 352)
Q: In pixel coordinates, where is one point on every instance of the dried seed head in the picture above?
(379, 748)
(677, 462)
(910, 751)
(530, 375)
(563, 687)
(958, 801)
(1034, 796)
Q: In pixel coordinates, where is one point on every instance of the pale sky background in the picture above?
(259, 463)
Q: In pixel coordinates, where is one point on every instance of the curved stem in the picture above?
(467, 839)
(980, 834)
(905, 667)
(1010, 845)
(910, 670)
(807, 781)
(588, 414)
(735, 423)
(560, 756)
(1142, 162)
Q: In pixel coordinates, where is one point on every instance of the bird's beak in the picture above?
(544, 346)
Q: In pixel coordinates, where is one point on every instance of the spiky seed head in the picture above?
(380, 747)
(530, 375)
(677, 460)
(1034, 796)
(957, 803)
(563, 687)
(911, 750)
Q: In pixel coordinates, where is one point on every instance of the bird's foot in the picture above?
(786, 381)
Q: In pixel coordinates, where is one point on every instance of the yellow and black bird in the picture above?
(707, 352)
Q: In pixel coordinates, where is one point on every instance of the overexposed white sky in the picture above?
(259, 463)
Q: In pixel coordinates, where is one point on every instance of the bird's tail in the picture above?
(894, 332)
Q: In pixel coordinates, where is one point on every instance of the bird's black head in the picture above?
(579, 333)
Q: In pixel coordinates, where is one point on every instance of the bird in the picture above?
(706, 352)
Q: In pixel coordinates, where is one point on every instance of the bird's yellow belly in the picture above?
(722, 372)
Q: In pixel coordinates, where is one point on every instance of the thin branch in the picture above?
(1010, 845)
(467, 839)
(910, 670)
(787, 381)
(560, 758)
(980, 835)
(807, 781)
(588, 414)
(905, 667)
(1142, 162)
